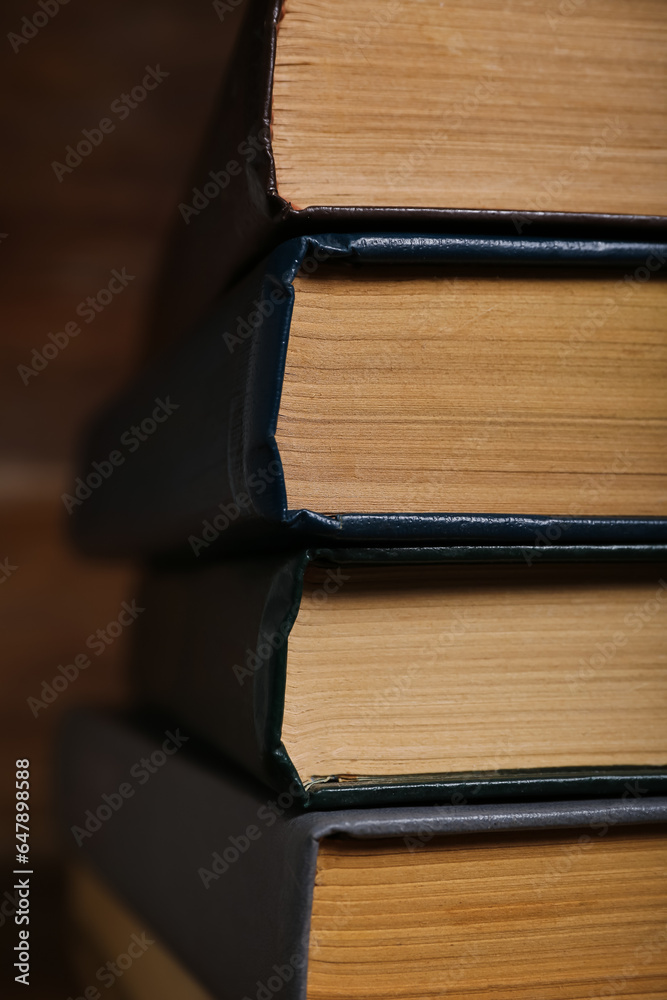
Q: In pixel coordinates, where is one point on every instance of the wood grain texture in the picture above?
(526, 393)
(573, 915)
(408, 670)
(491, 104)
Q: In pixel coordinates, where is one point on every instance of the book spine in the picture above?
(210, 479)
(194, 464)
(232, 213)
(223, 872)
(210, 651)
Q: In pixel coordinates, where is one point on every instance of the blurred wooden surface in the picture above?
(62, 241)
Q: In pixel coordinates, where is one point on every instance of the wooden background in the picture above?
(62, 241)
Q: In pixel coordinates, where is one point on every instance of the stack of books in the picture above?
(400, 488)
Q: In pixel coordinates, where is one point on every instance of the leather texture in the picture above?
(248, 218)
(209, 479)
(210, 652)
(255, 915)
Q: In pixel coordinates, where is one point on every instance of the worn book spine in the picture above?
(210, 651)
(208, 477)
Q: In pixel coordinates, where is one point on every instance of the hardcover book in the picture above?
(398, 389)
(368, 676)
(485, 117)
(397, 471)
(254, 899)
